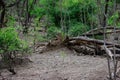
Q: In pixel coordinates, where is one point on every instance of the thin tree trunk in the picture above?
(26, 19)
(105, 13)
(2, 15)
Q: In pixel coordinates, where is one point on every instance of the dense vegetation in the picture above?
(69, 14)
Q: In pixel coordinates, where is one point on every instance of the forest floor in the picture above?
(61, 64)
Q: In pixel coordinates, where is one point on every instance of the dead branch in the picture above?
(90, 41)
(99, 31)
(108, 52)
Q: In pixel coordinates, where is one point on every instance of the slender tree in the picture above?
(2, 14)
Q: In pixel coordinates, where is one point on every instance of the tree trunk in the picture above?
(105, 13)
(2, 15)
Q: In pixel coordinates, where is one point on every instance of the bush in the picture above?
(113, 19)
(71, 9)
(41, 38)
(77, 29)
(52, 31)
(10, 42)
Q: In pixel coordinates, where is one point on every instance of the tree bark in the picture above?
(105, 13)
(89, 41)
(2, 15)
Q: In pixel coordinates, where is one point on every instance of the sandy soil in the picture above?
(61, 64)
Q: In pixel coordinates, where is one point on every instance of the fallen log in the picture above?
(93, 44)
(90, 41)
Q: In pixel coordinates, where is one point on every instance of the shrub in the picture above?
(71, 9)
(77, 29)
(10, 42)
(113, 19)
(41, 38)
(52, 31)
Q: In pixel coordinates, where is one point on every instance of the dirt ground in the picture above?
(61, 64)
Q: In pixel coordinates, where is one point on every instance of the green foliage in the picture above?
(77, 29)
(11, 20)
(99, 37)
(79, 10)
(11, 45)
(113, 19)
(52, 31)
(37, 11)
(117, 1)
(9, 40)
(41, 38)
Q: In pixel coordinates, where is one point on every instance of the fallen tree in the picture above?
(78, 44)
(96, 45)
(88, 41)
